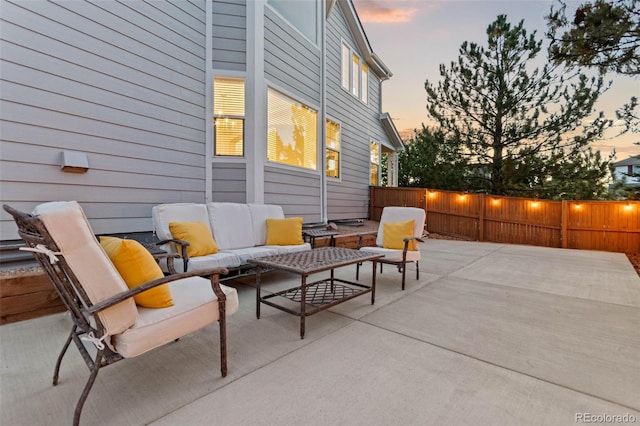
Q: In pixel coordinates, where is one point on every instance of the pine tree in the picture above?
(604, 35)
(518, 125)
(431, 161)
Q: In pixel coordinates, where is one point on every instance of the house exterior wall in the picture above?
(123, 83)
(348, 197)
(292, 64)
(228, 59)
(229, 35)
(622, 173)
(129, 85)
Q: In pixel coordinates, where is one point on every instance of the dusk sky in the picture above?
(413, 37)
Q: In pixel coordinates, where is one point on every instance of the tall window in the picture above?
(364, 81)
(292, 132)
(346, 54)
(301, 14)
(374, 168)
(355, 74)
(228, 116)
(332, 149)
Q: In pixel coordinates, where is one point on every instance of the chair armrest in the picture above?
(183, 249)
(213, 273)
(406, 242)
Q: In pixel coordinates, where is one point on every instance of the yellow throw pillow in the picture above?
(394, 233)
(284, 232)
(198, 235)
(136, 266)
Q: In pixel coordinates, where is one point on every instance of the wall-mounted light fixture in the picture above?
(74, 162)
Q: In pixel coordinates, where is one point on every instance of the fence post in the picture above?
(564, 225)
(481, 218)
(426, 210)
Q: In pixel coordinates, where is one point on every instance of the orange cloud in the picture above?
(374, 11)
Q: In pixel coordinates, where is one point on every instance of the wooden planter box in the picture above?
(26, 295)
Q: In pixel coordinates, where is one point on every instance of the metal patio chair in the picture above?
(398, 256)
(106, 320)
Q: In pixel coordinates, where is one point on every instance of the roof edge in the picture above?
(353, 21)
(391, 131)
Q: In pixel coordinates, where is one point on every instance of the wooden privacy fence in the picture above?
(589, 225)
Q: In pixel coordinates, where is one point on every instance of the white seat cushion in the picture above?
(252, 252)
(71, 231)
(291, 248)
(393, 255)
(231, 224)
(194, 306)
(217, 260)
(259, 215)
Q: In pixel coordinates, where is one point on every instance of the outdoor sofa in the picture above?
(240, 232)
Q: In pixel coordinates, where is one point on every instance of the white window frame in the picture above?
(345, 72)
(371, 142)
(233, 117)
(319, 17)
(355, 73)
(339, 151)
(270, 86)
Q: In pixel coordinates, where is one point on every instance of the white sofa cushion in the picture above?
(259, 215)
(217, 260)
(72, 232)
(252, 252)
(194, 306)
(177, 212)
(231, 224)
(291, 248)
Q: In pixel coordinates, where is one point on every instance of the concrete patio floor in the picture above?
(490, 334)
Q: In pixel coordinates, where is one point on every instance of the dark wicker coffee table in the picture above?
(318, 295)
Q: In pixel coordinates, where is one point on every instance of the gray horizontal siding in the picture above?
(291, 61)
(229, 182)
(230, 35)
(360, 123)
(298, 192)
(123, 83)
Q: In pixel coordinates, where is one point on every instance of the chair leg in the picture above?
(404, 272)
(358, 271)
(87, 388)
(64, 350)
(417, 270)
(223, 337)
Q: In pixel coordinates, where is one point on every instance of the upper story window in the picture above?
(346, 54)
(355, 74)
(364, 81)
(303, 15)
(332, 149)
(292, 137)
(374, 167)
(228, 116)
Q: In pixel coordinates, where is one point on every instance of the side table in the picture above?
(312, 234)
